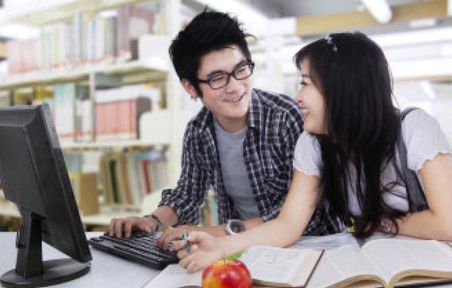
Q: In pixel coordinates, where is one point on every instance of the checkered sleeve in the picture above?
(192, 187)
(289, 128)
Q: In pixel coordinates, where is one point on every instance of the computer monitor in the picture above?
(34, 176)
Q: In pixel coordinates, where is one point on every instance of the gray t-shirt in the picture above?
(233, 169)
(423, 139)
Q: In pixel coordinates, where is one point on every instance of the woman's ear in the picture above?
(189, 88)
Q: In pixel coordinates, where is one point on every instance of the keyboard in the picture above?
(140, 248)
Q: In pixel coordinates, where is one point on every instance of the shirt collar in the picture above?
(256, 111)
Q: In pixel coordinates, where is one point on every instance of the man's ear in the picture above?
(189, 88)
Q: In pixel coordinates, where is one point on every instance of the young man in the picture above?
(240, 144)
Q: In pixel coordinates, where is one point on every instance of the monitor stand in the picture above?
(30, 270)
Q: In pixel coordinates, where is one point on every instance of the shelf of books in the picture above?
(103, 68)
(2, 50)
(59, 11)
(157, 66)
(113, 145)
(8, 209)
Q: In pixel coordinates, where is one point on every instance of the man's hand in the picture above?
(120, 227)
(174, 234)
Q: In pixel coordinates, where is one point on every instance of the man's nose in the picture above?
(233, 84)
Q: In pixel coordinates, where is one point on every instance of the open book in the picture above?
(279, 267)
(175, 276)
(269, 266)
(385, 262)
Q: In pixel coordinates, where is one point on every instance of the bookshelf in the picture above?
(8, 209)
(61, 10)
(157, 66)
(113, 145)
(2, 50)
(159, 129)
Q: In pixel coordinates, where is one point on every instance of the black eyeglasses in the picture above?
(221, 79)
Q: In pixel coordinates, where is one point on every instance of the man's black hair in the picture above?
(207, 32)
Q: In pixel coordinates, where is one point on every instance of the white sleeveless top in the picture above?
(423, 139)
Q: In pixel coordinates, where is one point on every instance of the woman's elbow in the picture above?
(292, 231)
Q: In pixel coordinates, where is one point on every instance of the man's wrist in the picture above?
(156, 219)
(168, 214)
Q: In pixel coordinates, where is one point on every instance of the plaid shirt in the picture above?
(274, 125)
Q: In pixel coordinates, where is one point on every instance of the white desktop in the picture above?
(106, 270)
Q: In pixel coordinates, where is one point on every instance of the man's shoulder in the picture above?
(200, 120)
(279, 103)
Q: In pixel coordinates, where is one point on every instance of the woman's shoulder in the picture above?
(307, 140)
(423, 137)
(307, 156)
(418, 116)
(419, 123)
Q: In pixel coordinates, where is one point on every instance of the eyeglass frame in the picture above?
(207, 81)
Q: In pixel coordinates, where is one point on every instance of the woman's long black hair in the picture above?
(362, 123)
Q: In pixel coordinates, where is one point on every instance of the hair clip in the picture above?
(329, 41)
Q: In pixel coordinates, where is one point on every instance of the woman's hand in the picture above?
(204, 250)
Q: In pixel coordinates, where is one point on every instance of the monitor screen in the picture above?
(35, 178)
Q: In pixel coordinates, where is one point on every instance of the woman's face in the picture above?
(311, 102)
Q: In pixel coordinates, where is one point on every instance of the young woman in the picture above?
(347, 159)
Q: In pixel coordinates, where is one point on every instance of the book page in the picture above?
(395, 255)
(279, 265)
(326, 242)
(175, 276)
(340, 264)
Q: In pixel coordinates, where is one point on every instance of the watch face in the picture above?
(237, 226)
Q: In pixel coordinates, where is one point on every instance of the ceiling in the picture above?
(322, 11)
(319, 17)
(295, 8)
(417, 89)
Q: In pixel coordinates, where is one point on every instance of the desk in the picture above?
(106, 270)
(113, 272)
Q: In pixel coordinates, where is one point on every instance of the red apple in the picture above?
(226, 274)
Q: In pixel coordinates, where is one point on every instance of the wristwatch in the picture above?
(386, 225)
(234, 226)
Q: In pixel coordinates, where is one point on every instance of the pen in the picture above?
(187, 245)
